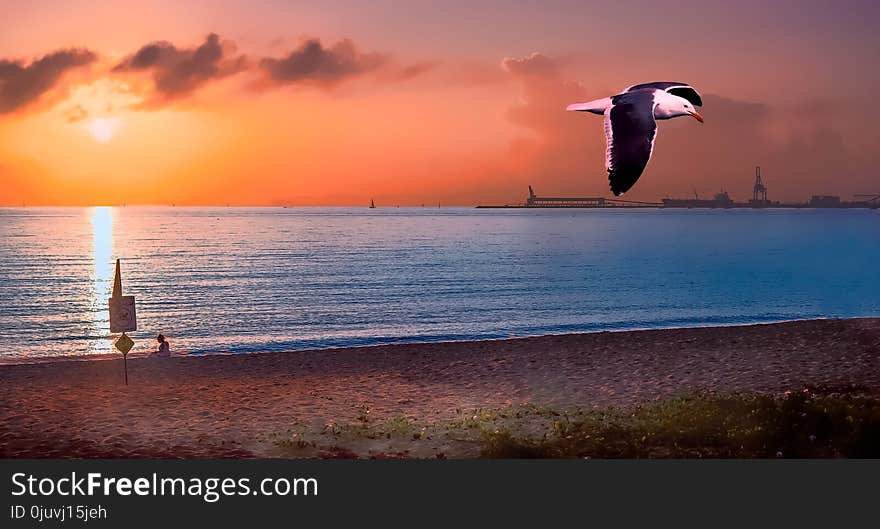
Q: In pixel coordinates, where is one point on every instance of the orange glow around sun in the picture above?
(102, 129)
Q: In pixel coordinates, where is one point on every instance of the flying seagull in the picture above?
(631, 126)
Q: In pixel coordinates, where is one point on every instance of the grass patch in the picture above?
(803, 424)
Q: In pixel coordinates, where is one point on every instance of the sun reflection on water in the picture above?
(102, 254)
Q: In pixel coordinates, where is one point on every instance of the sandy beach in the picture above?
(302, 404)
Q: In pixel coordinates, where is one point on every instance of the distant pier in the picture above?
(721, 200)
(534, 201)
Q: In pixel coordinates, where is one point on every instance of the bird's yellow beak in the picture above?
(697, 116)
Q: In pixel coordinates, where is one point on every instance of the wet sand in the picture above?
(241, 405)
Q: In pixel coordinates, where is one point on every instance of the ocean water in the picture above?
(237, 280)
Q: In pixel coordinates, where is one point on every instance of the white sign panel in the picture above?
(122, 314)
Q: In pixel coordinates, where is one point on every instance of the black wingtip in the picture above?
(617, 187)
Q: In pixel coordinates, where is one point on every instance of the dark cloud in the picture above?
(20, 84)
(179, 71)
(313, 63)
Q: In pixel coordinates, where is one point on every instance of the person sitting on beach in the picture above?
(164, 349)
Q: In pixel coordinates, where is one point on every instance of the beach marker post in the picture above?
(123, 318)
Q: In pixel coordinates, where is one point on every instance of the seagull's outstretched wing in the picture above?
(629, 134)
(677, 89)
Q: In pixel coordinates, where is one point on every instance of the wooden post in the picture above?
(125, 366)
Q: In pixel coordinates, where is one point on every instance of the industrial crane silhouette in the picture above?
(760, 189)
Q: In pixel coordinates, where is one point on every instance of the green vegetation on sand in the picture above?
(807, 423)
(802, 424)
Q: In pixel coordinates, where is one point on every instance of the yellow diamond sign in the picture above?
(124, 344)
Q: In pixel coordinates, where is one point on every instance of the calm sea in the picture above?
(263, 279)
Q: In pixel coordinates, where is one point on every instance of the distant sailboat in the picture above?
(372, 204)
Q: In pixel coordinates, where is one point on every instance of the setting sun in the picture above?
(102, 129)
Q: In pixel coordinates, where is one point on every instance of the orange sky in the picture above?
(273, 102)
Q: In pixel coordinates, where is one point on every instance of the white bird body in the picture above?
(666, 106)
(630, 125)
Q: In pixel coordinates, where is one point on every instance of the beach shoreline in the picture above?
(252, 405)
(40, 359)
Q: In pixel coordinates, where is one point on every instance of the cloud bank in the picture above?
(177, 71)
(22, 84)
(311, 62)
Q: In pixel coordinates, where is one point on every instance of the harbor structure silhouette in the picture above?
(720, 200)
